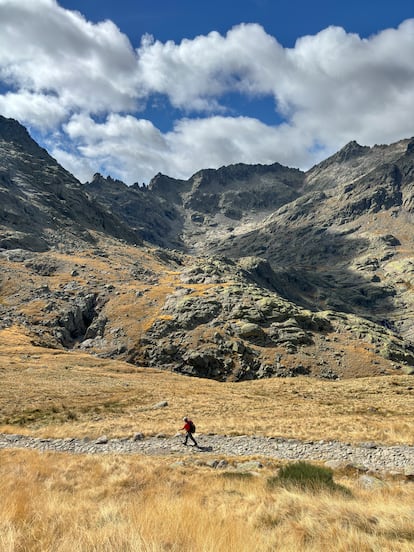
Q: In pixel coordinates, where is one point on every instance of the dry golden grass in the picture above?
(57, 393)
(64, 503)
(79, 503)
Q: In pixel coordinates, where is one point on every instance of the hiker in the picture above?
(190, 429)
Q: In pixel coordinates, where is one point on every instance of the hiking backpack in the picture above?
(192, 426)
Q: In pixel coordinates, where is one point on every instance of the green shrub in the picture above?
(236, 475)
(306, 477)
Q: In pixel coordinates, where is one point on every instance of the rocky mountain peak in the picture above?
(161, 184)
(101, 182)
(350, 151)
(12, 132)
(351, 163)
(42, 204)
(239, 173)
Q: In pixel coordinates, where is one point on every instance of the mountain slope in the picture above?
(40, 202)
(339, 246)
(245, 272)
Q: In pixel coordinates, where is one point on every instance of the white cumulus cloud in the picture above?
(45, 49)
(85, 89)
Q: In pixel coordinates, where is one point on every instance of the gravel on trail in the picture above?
(365, 456)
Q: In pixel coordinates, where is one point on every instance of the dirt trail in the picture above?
(364, 456)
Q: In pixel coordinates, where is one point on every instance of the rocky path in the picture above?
(366, 456)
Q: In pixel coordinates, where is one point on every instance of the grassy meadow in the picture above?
(64, 503)
(82, 503)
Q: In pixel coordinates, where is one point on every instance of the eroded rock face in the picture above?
(238, 330)
(78, 318)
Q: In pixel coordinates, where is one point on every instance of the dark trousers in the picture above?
(189, 435)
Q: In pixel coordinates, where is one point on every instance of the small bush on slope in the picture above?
(306, 476)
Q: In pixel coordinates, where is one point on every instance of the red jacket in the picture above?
(187, 426)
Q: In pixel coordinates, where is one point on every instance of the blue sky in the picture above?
(286, 20)
(133, 88)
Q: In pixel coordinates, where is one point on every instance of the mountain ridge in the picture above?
(243, 272)
(45, 192)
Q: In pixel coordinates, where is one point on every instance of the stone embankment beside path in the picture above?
(364, 456)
